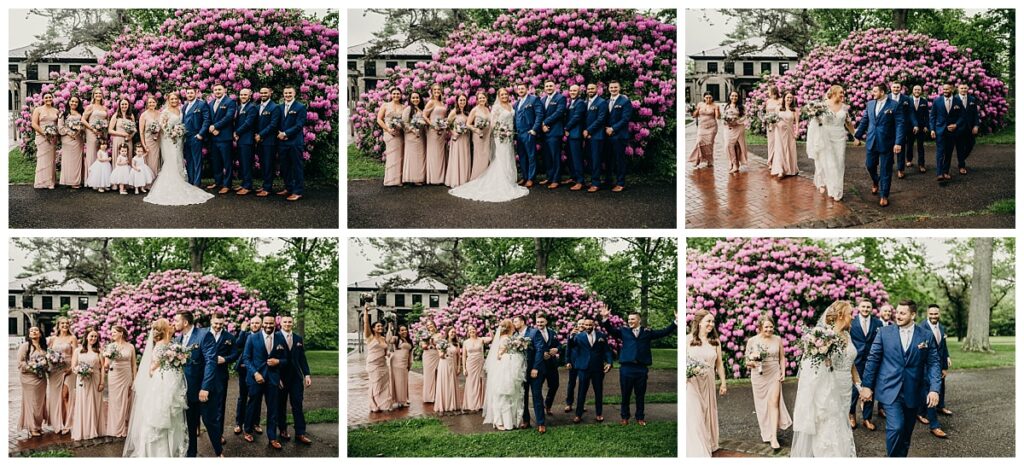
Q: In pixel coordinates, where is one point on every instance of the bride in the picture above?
(498, 182)
(170, 187)
(826, 143)
(506, 372)
(820, 426)
(156, 428)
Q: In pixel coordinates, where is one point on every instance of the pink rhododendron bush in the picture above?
(878, 56)
(163, 294)
(522, 294)
(794, 282)
(566, 46)
(237, 47)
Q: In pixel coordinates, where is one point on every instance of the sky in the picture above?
(361, 28)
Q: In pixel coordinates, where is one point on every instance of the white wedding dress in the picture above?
(498, 182)
(820, 415)
(156, 428)
(170, 187)
(826, 145)
(503, 392)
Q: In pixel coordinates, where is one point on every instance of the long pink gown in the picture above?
(784, 162)
(60, 389)
(377, 370)
(33, 391)
(473, 395)
(458, 170)
(118, 141)
(436, 144)
(430, 361)
(46, 153)
(707, 131)
(448, 382)
(71, 151)
(87, 413)
(92, 141)
(414, 153)
(736, 142)
(393, 149)
(481, 145)
(400, 370)
(119, 395)
(702, 404)
(772, 414)
(771, 106)
(151, 142)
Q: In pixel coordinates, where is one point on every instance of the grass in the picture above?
(662, 358)
(318, 416)
(20, 169)
(322, 362)
(429, 437)
(1003, 356)
(1003, 206)
(1004, 136)
(666, 397)
(57, 453)
(361, 167)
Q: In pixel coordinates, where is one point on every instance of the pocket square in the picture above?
(923, 345)
(299, 345)
(292, 112)
(888, 112)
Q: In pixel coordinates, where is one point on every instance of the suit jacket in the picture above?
(861, 341)
(240, 341)
(619, 116)
(567, 350)
(906, 103)
(226, 348)
(223, 118)
(268, 123)
(551, 363)
(255, 359)
(554, 114)
(597, 118)
(589, 357)
(534, 356)
(971, 118)
(940, 118)
(575, 119)
(196, 118)
(292, 123)
(245, 122)
(200, 370)
(941, 346)
(636, 349)
(882, 130)
(298, 366)
(922, 113)
(529, 114)
(890, 371)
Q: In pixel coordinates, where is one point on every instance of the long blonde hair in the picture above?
(505, 327)
(839, 315)
(161, 329)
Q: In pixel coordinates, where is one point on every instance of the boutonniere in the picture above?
(299, 344)
(227, 342)
(888, 112)
(280, 347)
(922, 346)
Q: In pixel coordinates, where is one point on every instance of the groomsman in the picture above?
(267, 125)
(226, 354)
(593, 134)
(863, 330)
(969, 131)
(575, 125)
(593, 359)
(946, 118)
(196, 119)
(881, 126)
(885, 315)
(200, 374)
(549, 355)
(570, 348)
(634, 359)
(620, 111)
(222, 124)
(529, 116)
(553, 128)
(265, 354)
(295, 377)
(292, 143)
(909, 126)
(255, 324)
(928, 415)
(245, 129)
(920, 130)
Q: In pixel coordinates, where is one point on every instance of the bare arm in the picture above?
(366, 322)
(35, 121)
(782, 361)
(721, 370)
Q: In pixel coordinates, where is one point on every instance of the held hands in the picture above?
(220, 359)
(897, 149)
(533, 374)
(951, 127)
(258, 377)
(204, 396)
(866, 394)
(607, 367)
(547, 356)
(933, 399)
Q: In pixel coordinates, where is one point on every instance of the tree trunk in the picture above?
(195, 252)
(899, 18)
(305, 247)
(981, 297)
(542, 253)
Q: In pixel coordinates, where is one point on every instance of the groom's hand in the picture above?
(308, 381)
(220, 359)
(258, 377)
(933, 399)
(533, 374)
(896, 149)
(866, 394)
(204, 396)
(607, 367)
(273, 362)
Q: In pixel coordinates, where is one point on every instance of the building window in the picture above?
(353, 66)
(75, 68)
(370, 68)
(382, 299)
(12, 301)
(712, 67)
(417, 299)
(715, 90)
(783, 67)
(391, 64)
(83, 303)
(65, 301)
(27, 302)
(435, 300)
(32, 72)
(47, 302)
(400, 300)
(730, 67)
(52, 69)
(410, 64)
(371, 83)
(12, 325)
(12, 68)
(766, 67)
(748, 68)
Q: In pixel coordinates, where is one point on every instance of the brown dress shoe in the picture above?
(853, 422)
(523, 425)
(263, 194)
(236, 188)
(946, 412)
(212, 186)
(618, 189)
(541, 429)
(922, 419)
(624, 422)
(567, 409)
(293, 197)
(283, 192)
(529, 184)
(242, 192)
(224, 191)
(284, 435)
(303, 440)
(939, 433)
(576, 187)
(553, 185)
(248, 437)
(869, 425)
(874, 189)
(275, 444)
(883, 202)
(548, 412)
(641, 422)
(922, 169)
(258, 429)
(576, 419)
(223, 441)
(593, 189)
(599, 418)
(544, 182)
(238, 430)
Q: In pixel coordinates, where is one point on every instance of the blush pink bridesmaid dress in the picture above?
(702, 404)
(377, 370)
(707, 131)
(436, 144)
(459, 155)
(94, 114)
(393, 148)
(46, 153)
(473, 395)
(784, 163)
(430, 361)
(414, 169)
(87, 414)
(772, 414)
(400, 359)
(60, 390)
(771, 106)
(448, 382)
(119, 395)
(33, 391)
(481, 144)
(71, 152)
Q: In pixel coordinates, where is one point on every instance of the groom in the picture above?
(592, 359)
(863, 331)
(534, 374)
(196, 118)
(882, 126)
(529, 115)
(902, 367)
(222, 128)
(200, 375)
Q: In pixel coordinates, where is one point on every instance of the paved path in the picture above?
(67, 208)
(371, 205)
(982, 424)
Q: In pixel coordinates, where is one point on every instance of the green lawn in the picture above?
(429, 437)
(322, 362)
(667, 397)
(361, 167)
(20, 169)
(1003, 206)
(1003, 356)
(318, 416)
(58, 453)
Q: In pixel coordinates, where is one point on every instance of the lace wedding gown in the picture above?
(170, 187)
(498, 182)
(826, 145)
(820, 424)
(156, 428)
(503, 393)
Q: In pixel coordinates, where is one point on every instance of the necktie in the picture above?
(189, 106)
(267, 339)
(905, 337)
(544, 335)
(287, 106)
(947, 104)
(263, 107)
(241, 109)
(938, 336)
(216, 105)
(590, 338)
(636, 333)
(611, 103)
(289, 341)
(547, 101)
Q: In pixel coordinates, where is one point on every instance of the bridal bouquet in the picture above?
(129, 127)
(55, 358)
(731, 117)
(416, 123)
(503, 132)
(758, 357)
(815, 109)
(695, 368)
(442, 346)
(152, 129)
(99, 124)
(83, 371)
(396, 123)
(74, 124)
(38, 365)
(819, 345)
(111, 351)
(50, 131)
(424, 335)
(440, 125)
(460, 129)
(174, 357)
(481, 123)
(770, 120)
(175, 131)
(516, 345)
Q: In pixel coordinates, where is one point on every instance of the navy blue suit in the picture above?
(532, 385)
(201, 374)
(550, 373)
(223, 120)
(529, 116)
(862, 342)
(246, 117)
(575, 123)
(945, 140)
(906, 104)
(965, 135)
(267, 125)
(589, 361)
(597, 120)
(634, 359)
(901, 380)
(882, 132)
(293, 378)
(255, 359)
(196, 118)
(227, 349)
(923, 124)
(292, 146)
(554, 119)
(618, 120)
(567, 355)
(243, 387)
(940, 344)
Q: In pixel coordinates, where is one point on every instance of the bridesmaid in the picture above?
(33, 385)
(121, 371)
(60, 387)
(772, 105)
(44, 122)
(414, 169)
(767, 371)
(401, 364)
(436, 137)
(701, 405)
(458, 168)
(151, 140)
(707, 115)
(736, 133)
(784, 162)
(387, 116)
(70, 129)
(473, 368)
(87, 415)
(376, 364)
(430, 361)
(119, 134)
(95, 122)
(448, 376)
(481, 137)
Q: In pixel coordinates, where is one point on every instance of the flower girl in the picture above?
(99, 171)
(141, 175)
(122, 174)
